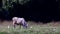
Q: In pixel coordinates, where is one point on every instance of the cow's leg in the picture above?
(14, 25)
(20, 26)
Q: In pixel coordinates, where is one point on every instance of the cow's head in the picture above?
(25, 25)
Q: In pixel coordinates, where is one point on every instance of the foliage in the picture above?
(8, 3)
(8, 7)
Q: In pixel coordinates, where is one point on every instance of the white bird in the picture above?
(8, 27)
(31, 27)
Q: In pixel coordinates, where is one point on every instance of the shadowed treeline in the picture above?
(35, 10)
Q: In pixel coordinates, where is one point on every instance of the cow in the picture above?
(19, 21)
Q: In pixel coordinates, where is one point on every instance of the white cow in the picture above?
(19, 21)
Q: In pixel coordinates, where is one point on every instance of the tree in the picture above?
(8, 3)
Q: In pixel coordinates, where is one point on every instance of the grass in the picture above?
(36, 29)
(33, 30)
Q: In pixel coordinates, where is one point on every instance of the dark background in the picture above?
(35, 10)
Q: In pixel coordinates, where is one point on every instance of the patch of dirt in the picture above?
(5, 23)
(30, 23)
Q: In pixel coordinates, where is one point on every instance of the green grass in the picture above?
(34, 30)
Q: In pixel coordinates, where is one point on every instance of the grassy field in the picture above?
(34, 28)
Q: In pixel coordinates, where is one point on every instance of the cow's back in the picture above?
(19, 20)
